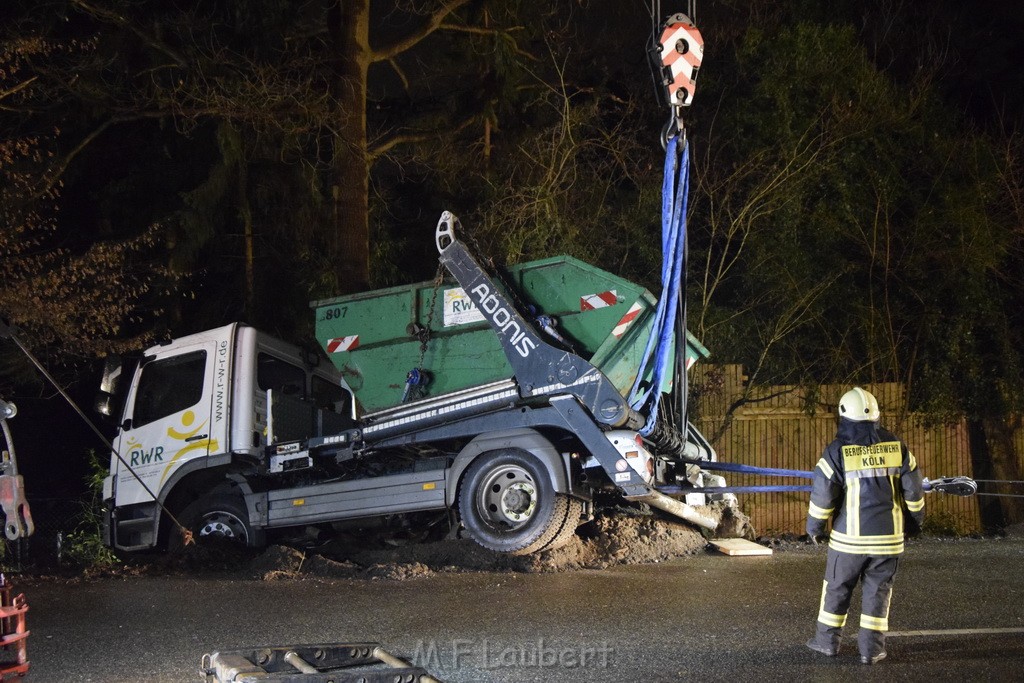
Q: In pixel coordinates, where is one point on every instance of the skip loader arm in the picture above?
(540, 369)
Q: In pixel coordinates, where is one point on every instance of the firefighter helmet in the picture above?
(858, 405)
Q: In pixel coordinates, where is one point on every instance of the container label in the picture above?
(459, 309)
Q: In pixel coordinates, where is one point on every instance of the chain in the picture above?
(425, 333)
(473, 247)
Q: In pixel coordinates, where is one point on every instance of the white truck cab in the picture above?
(200, 403)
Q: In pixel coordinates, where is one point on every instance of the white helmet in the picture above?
(858, 405)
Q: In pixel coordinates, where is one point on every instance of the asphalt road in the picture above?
(708, 617)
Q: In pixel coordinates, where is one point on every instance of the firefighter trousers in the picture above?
(842, 572)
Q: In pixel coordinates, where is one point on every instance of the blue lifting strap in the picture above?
(674, 195)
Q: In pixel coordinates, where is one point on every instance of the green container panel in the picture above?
(371, 337)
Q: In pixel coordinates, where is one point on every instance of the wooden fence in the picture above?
(789, 426)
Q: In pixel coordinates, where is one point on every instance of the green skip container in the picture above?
(376, 338)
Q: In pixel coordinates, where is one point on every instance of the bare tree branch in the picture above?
(432, 24)
(54, 174)
(15, 89)
(124, 22)
(377, 150)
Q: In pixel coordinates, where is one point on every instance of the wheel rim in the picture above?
(508, 497)
(223, 525)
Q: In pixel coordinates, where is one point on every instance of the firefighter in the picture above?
(869, 484)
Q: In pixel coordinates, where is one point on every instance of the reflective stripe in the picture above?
(912, 461)
(897, 510)
(853, 507)
(827, 618)
(866, 545)
(915, 505)
(826, 468)
(887, 549)
(873, 623)
(874, 540)
(868, 474)
(818, 512)
(834, 620)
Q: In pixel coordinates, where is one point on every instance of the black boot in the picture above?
(829, 649)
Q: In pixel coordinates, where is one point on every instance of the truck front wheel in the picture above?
(216, 517)
(507, 504)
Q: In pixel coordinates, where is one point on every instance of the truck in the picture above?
(495, 405)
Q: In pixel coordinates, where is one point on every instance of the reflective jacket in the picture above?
(866, 480)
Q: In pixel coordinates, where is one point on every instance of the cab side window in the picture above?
(168, 386)
(279, 376)
(329, 396)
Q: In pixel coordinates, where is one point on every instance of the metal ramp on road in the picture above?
(333, 663)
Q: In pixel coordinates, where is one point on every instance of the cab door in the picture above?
(169, 419)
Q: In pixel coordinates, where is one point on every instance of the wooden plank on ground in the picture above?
(739, 546)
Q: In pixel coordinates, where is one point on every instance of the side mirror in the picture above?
(110, 398)
(111, 374)
(104, 404)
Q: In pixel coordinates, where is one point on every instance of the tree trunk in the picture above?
(994, 456)
(245, 212)
(348, 244)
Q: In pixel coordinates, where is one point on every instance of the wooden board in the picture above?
(739, 546)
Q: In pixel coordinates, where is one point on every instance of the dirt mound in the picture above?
(397, 572)
(277, 562)
(621, 540)
(604, 542)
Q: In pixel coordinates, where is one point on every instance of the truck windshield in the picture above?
(169, 385)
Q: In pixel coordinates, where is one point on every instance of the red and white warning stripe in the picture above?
(342, 343)
(600, 300)
(682, 51)
(630, 316)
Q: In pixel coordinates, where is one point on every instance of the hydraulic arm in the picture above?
(540, 369)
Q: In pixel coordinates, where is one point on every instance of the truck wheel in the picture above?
(220, 517)
(573, 515)
(508, 504)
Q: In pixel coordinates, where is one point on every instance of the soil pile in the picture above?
(606, 541)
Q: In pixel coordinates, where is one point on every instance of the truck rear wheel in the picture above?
(573, 515)
(508, 504)
(221, 517)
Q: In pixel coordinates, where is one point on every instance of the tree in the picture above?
(854, 229)
(261, 137)
(302, 76)
(78, 298)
